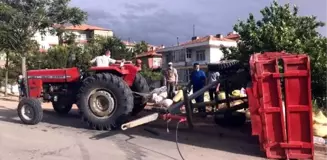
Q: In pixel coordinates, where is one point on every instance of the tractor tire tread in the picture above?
(123, 99)
(37, 109)
(223, 65)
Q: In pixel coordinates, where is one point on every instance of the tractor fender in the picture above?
(127, 72)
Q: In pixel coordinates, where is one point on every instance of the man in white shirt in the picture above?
(104, 60)
(171, 80)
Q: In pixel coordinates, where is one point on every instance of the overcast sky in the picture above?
(161, 21)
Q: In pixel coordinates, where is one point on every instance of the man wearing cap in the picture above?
(104, 60)
(171, 80)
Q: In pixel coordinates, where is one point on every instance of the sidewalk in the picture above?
(9, 97)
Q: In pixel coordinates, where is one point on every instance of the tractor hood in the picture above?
(55, 75)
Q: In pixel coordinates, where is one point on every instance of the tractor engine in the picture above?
(51, 91)
(50, 85)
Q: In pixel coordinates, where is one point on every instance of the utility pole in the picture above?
(177, 41)
(193, 30)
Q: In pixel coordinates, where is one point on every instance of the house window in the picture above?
(173, 57)
(42, 38)
(200, 55)
(82, 36)
(179, 56)
(189, 55)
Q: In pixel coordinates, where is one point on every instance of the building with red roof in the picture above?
(200, 50)
(151, 59)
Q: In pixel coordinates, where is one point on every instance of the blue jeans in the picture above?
(199, 99)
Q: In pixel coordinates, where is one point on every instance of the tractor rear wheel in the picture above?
(140, 85)
(104, 101)
(62, 106)
(224, 65)
(30, 111)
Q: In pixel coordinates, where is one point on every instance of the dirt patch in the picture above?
(321, 148)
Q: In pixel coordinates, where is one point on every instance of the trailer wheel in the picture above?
(61, 106)
(224, 65)
(30, 111)
(140, 85)
(230, 119)
(104, 101)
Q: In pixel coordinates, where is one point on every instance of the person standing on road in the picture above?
(104, 60)
(213, 77)
(21, 86)
(171, 80)
(198, 81)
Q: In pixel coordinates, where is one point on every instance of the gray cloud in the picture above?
(140, 7)
(160, 22)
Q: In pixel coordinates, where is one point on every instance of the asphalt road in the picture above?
(66, 138)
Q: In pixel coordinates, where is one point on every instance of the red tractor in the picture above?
(104, 95)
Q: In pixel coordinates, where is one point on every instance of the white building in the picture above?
(46, 40)
(200, 50)
(82, 32)
(129, 45)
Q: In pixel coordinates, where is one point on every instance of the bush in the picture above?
(151, 75)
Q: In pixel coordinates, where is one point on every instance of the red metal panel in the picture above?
(285, 131)
(271, 110)
(35, 87)
(298, 107)
(55, 75)
(128, 71)
(254, 105)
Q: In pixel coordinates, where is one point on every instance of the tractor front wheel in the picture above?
(104, 101)
(30, 111)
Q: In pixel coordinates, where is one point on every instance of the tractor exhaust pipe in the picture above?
(140, 121)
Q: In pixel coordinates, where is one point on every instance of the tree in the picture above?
(21, 19)
(60, 14)
(140, 48)
(282, 29)
(114, 44)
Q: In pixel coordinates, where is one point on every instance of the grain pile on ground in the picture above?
(320, 125)
(319, 128)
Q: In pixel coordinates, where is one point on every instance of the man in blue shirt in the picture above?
(198, 80)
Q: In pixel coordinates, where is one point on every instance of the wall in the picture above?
(194, 60)
(80, 35)
(156, 62)
(103, 33)
(47, 41)
(215, 55)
